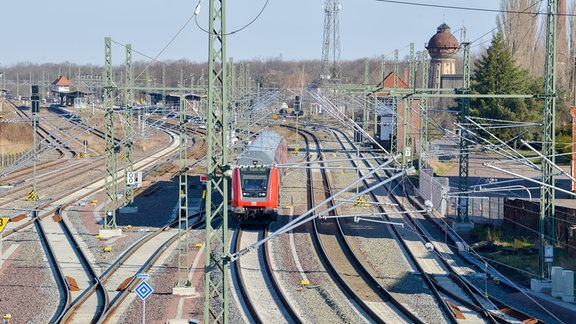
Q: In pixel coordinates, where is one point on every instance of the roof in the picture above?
(62, 80)
(443, 44)
(262, 149)
(389, 82)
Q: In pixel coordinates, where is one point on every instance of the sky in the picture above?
(40, 31)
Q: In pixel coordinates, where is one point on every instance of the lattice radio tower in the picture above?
(330, 70)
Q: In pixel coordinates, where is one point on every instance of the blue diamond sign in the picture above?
(143, 290)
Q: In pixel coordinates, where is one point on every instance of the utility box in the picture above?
(568, 285)
(571, 241)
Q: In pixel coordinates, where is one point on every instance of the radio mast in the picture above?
(330, 71)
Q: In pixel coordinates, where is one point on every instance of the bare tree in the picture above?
(523, 34)
(572, 44)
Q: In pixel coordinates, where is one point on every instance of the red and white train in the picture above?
(256, 179)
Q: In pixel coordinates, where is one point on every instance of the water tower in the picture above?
(442, 48)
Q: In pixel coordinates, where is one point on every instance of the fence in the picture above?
(481, 210)
(434, 189)
(8, 159)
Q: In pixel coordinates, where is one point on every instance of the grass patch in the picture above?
(16, 137)
(441, 168)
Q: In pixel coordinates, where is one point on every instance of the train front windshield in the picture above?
(254, 181)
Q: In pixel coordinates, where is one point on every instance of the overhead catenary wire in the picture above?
(528, 11)
(421, 4)
(236, 30)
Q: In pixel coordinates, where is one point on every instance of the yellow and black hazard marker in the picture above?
(32, 195)
(360, 202)
(82, 155)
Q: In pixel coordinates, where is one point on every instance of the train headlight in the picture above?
(262, 194)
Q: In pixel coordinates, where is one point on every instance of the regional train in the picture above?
(256, 179)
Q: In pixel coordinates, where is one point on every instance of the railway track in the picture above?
(48, 207)
(447, 281)
(119, 280)
(55, 189)
(365, 289)
(74, 268)
(306, 283)
(84, 296)
(58, 144)
(262, 295)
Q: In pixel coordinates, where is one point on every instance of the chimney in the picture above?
(406, 76)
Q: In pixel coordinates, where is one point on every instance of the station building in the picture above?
(68, 94)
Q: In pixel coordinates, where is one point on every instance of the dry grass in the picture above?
(149, 143)
(15, 137)
(441, 168)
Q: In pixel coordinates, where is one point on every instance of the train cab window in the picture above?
(254, 182)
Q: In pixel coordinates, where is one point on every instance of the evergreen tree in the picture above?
(497, 73)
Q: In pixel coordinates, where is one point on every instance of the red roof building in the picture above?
(61, 85)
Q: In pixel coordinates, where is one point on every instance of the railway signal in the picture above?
(35, 99)
(35, 107)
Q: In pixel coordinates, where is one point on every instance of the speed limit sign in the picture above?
(133, 178)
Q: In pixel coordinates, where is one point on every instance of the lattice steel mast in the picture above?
(407, 133)
(128, 156)
(394, 126)
(331, 42)
(110, 163)
(547, 223)
(463, 157)
(423, 159)
(216, 268)
(183, 238)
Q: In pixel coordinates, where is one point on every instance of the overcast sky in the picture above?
(40, 31)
